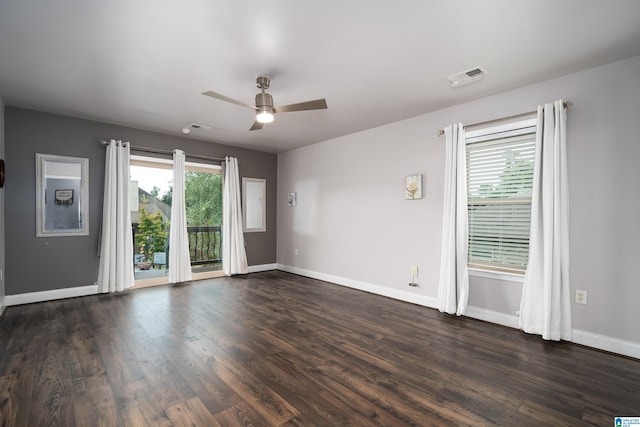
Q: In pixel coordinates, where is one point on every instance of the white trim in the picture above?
(139, 158)
(603, 342)
(262, 267)
(493, 317)
(54, 294)
(497, 275)
(589, 339)
(423, 300)
(146, 161)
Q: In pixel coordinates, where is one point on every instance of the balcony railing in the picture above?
(205, 245)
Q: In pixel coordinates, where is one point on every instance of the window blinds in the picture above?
(499, 182)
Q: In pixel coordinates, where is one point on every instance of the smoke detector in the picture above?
(466, 77)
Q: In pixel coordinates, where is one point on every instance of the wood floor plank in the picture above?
(276, 349)
(123, 370)
(191, 413)
(195, 369)
(242, 415)
(261, 397)
(96, 408)
(15, 397)
(140, 408)
(298, 386)
(548, 417)
(166, 384)
(52, 389)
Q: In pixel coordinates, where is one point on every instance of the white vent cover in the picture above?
(468, 76)
(198, 126)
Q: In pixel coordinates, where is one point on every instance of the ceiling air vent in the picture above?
(468, 76)
(198, 126)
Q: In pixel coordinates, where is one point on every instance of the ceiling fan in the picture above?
(264, 104)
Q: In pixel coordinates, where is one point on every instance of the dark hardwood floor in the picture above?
(277, 349)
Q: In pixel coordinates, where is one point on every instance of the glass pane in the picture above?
(150, 191)
(203, 199)
(499, 184)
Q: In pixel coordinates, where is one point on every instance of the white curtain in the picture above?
(545, 308)
(453, 286)
(234, 257)
(179, 259)
(115, 273)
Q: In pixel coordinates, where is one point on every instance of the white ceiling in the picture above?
(145, 63)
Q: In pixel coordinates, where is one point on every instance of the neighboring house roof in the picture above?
(151, 206)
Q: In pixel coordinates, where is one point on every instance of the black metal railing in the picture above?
(205, 245)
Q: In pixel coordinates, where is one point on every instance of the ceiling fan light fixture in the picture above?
(264, 115)
(264, 104)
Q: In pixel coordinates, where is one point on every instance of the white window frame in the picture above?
(525, 126)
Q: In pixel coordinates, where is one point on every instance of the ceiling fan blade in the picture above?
(226, 98)
(316, 104)
(256, 126)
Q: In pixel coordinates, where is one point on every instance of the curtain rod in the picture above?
(168, 152)
(565, 104)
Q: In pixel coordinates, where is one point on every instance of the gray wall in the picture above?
(39, 264)
(2, 232)
(352, 221)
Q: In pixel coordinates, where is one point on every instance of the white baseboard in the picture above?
(78, 291)
(262, 267)
(589, 339)
(603, 342)
(3, 305)
(363, 286)
(493, 317)
(54, 294)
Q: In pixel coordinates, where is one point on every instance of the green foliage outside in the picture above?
(155, 191)
(514, 181)
(152, 234)
(203, 199)
(168, 196)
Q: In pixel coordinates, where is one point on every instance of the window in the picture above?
(499, 183)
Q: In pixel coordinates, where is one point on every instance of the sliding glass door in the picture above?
(203, 199)
(151, 197)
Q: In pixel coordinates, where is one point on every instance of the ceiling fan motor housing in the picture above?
(264, 102)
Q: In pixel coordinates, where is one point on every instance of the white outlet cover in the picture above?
(581, 297)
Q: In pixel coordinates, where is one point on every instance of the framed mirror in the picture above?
(62, 196)
(254, 204)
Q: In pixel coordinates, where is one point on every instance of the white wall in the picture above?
(2, 301)
(353, 225)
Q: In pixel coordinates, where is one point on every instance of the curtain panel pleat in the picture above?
(545, 308)
(179, 258)
(115, 272)
(234, 257)
(453, 285)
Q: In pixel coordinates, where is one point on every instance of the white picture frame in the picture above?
(413, 187)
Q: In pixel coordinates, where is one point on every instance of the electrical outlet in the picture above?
(581, 297)
(414, 271)
(296, 252)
